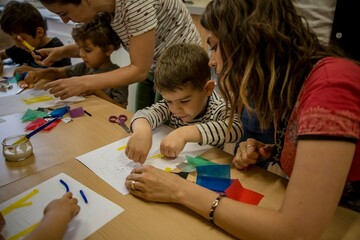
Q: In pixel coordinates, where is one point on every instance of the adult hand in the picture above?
(66, 206)
(67, 87)
(24, 68)
(250, 152)
(47, 56)
(154, 184)
(138, 146)
(33, 77)
(172, 145)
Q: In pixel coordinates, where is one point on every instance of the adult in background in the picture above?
(146, 28)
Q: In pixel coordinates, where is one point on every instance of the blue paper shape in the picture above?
(59, 112)
(214, 177)
(219, 171)
(215, 184)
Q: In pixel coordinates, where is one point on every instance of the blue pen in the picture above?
(65, 185)
(83, 196)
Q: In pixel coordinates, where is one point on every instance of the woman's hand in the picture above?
(251, 151)
(154, 184)
(67, 87)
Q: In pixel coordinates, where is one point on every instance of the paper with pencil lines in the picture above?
(111, 164)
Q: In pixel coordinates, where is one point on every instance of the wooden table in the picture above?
(55, 152)
(64, 142)
(148, 220)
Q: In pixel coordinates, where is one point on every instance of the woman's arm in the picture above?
(311, 198)
(141, 51)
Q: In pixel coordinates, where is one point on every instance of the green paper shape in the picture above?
(199, 161)
(31, 115)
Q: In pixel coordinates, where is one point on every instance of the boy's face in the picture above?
(93, 56)
(188, 102)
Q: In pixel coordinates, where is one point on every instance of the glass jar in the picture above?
(16, 152)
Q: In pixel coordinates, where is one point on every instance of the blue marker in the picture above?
(83, 196)
(65, 185)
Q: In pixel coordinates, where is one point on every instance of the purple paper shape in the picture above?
(76, 112)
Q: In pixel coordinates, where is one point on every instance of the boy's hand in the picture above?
(172, 145)
(33, 77)
(66, 206)
(139, 144)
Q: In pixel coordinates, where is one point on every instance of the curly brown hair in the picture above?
(267, 51)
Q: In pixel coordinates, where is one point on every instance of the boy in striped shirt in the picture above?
(190, 106)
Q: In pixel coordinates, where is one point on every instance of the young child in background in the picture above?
(190, 105)
(24, 20)
(96, 41)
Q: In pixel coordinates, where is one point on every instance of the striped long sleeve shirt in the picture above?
(213, 124)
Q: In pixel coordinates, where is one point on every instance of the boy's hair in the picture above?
(180, 65)
(21, 17)
(98, 31)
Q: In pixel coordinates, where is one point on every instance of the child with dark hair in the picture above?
(190, 105)
(96, 41)
(24, 20)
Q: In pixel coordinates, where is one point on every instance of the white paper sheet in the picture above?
(111, 164)
(10, 104)
(91, 217)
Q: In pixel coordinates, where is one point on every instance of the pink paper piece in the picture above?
(39, 122)
(237, 192)
(76, 112)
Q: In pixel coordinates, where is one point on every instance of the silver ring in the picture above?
(250, 145)
(133, 185)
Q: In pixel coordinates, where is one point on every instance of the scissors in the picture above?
(121, 119)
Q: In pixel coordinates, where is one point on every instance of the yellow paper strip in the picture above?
(121, 148)
(20, 203)
(24, 233)
(37, 99)
(156, 156)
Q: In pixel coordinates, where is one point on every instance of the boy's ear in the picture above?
(109, 49)
(209, 87)
(40, 32)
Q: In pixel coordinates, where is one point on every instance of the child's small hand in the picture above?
(138, 147)
(63, 207)
(172, 145)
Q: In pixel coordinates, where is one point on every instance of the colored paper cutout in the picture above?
(214, 177)
(237, 192)
(20, 203)
(59, 112)
(37, 99)
(39, 122)
(199, 161)
(77, 112)
(31, 115)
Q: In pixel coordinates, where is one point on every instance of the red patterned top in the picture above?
(328, 106)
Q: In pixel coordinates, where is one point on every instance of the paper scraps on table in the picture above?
(39, 122)
(76, 112)
(237, 192)
(31, 115)
(37, 99)
(214, 177)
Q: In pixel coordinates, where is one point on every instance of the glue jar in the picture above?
(16, 152)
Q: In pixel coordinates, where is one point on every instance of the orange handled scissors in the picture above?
(121, 119)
